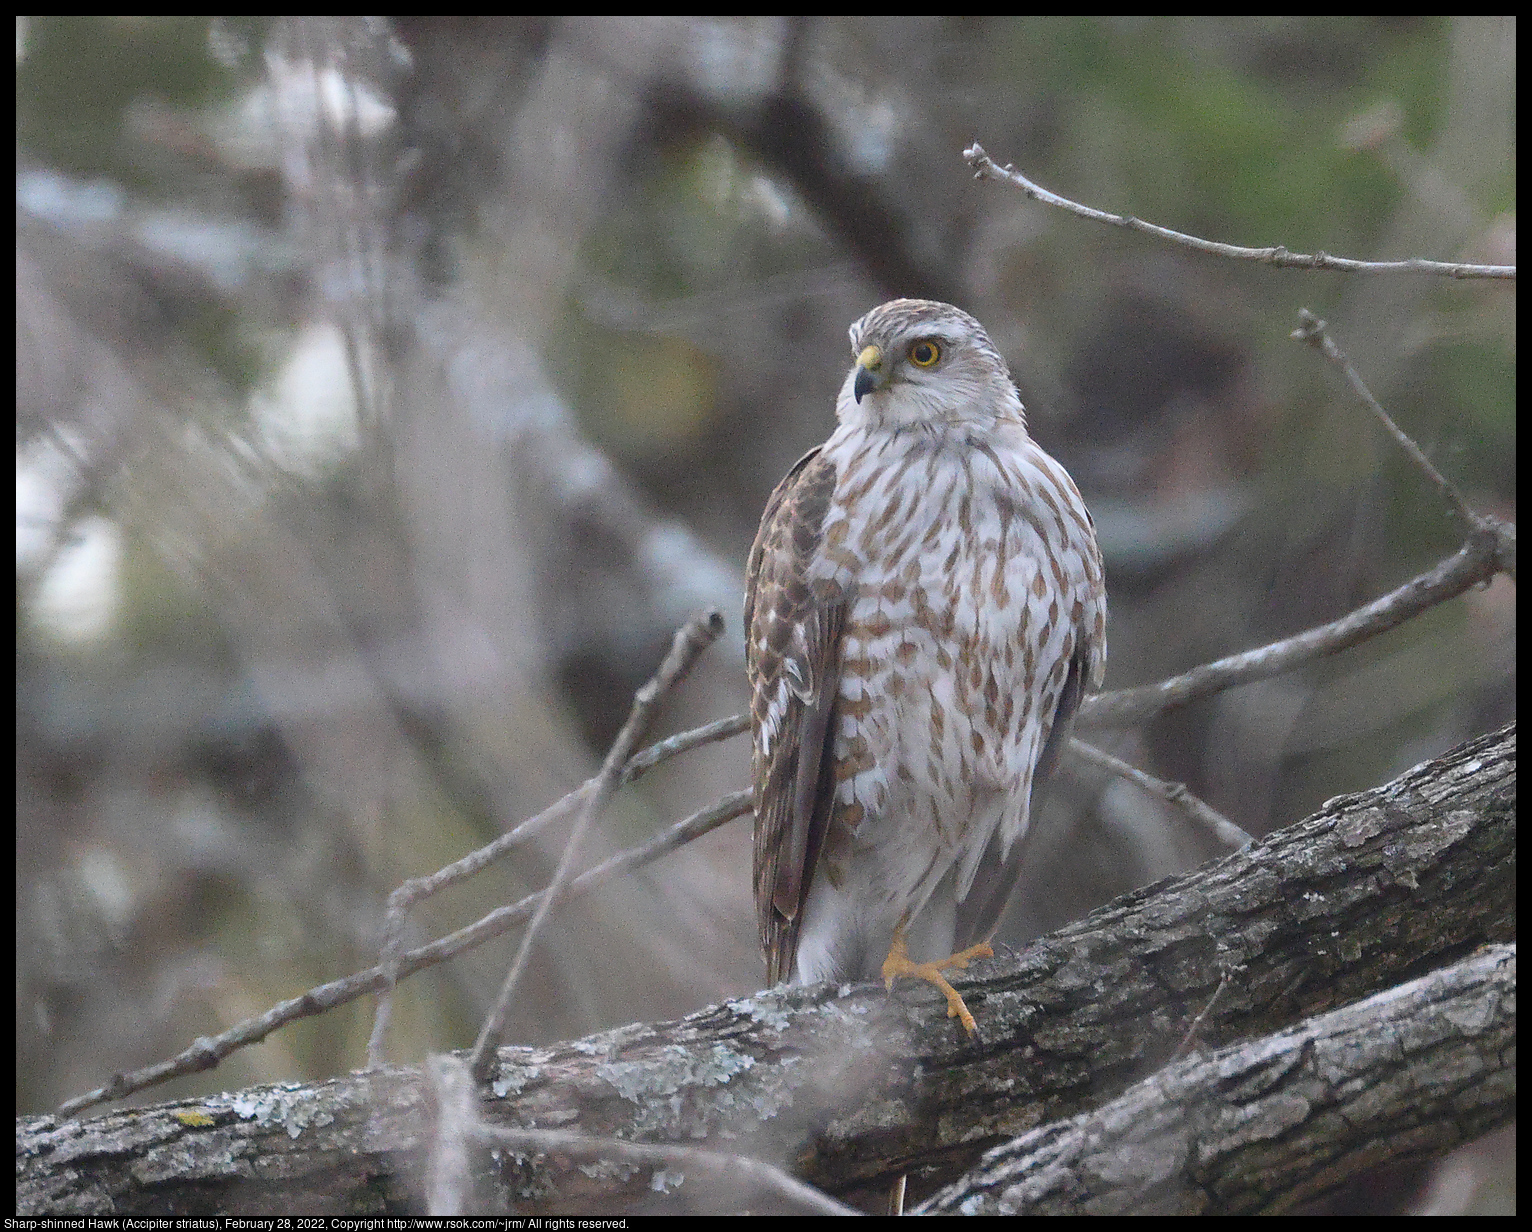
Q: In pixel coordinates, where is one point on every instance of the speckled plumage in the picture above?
(924, 608)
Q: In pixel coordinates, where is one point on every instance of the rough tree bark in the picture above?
(850, 1088)
(1264, 1126)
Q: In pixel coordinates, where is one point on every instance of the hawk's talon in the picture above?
(898, 964)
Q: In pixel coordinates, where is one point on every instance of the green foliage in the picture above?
(1227, 131)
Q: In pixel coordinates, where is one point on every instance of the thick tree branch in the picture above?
(1265, 1125)
(849, 1087)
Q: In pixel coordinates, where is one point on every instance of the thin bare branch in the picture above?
(448, 1164)
(208, 1051)
(1190, 1037)
(684, 742)
(1200, 812)
(1312, 330)
(985, 168)
(417, 888)
(690, 641)
(1476, 561)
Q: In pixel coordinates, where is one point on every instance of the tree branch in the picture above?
(1258, 1128)
(1315, 333)
(985, 168)
(1476, 561)
(690, 641)
(850, 1087)
(207, 1051)
(1199, 812)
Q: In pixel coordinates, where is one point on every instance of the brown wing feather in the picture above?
(792, 656)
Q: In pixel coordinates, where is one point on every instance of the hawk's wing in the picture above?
(978, 914)
(792, 656)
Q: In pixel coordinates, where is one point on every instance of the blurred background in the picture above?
(388, 392)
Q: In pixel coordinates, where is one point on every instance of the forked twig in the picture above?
(690, 641)
(208, 1051)
(417, 888)
(1312, 330)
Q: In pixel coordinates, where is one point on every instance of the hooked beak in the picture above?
(869, 372)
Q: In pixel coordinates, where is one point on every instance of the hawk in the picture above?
(924, 608)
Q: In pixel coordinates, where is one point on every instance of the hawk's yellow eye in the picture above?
(924, 354)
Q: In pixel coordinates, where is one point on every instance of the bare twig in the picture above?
(1315, 332)
(684, 742)
(208, 1051)
(985, 168)
(1202, 813)
(690, 641)
(1476, 561)
(417, 888)
(1190, 1037)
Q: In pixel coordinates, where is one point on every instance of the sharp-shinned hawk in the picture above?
(924, 608)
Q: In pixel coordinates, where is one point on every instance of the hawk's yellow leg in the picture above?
(898, 963)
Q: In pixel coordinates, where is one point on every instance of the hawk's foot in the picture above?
(898, 964)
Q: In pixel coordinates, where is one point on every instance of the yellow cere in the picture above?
(871, 358)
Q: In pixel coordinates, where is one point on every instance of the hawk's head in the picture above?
(920, 362)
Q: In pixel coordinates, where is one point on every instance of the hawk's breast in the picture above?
(975, 577)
